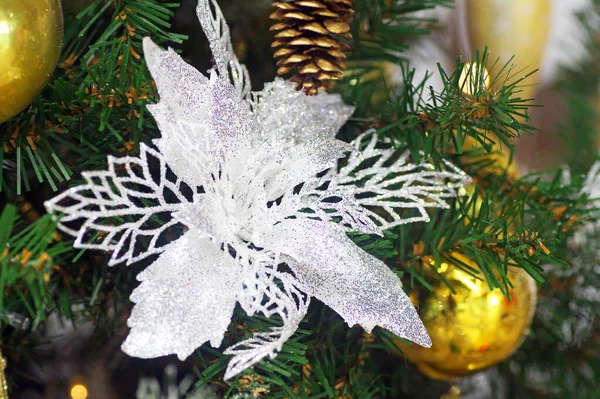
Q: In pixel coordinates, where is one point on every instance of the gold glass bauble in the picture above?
(473, 328)
(518, 28)
(3, 384)
(500, 156)
(31, 34)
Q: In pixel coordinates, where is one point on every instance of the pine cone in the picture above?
(311, 36)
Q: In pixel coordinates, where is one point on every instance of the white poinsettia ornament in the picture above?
(256, 180)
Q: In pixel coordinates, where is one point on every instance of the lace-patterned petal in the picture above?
(114, 211)
(382, 183)
(263, 295)
(216, 30)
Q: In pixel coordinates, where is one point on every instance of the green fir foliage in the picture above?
(94, 105)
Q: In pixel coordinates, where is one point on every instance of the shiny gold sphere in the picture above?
(518, 28)
(473, 328)
(31, 34)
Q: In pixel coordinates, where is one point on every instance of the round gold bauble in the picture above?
(3, 384)
(501, 159)
(518, 28)
(472, 328)
(500, 156)
(31, 34)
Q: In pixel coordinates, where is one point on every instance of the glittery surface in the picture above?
(217, 32)
(266, 181)
(384, 190)
(284, 113)
(165, 321)
(358, 286)
(119, 191)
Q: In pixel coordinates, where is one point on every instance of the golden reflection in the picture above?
(31, 34)
(473, 328)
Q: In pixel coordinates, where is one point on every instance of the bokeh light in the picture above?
(79, 391)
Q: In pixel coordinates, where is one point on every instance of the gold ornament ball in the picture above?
(3, 384)
(473, 328)
(31, 34)
(518, 28)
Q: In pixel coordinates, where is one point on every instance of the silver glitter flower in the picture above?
(256, 180)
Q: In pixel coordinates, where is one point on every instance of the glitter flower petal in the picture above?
(358, 286)
(164, 321)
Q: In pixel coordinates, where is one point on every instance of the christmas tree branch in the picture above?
(94, 104)
(29, 270)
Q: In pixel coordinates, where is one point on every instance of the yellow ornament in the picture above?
(500, 156)
(3, 384)
(470, 83)
(473, 328)
(31, 34)
(509, 28)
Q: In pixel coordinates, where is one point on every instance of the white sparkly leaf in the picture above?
(164, 321)
(284, 113)
(217, 32)
(249, 352)
(385, 188)
(264, 187)
(178, 89)
(303, 161)
(358, 286)
(263, 295)
(127, 189)
(392, 184)
(182, 114)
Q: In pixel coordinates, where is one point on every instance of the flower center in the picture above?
(233, 217)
